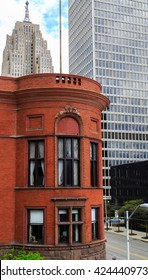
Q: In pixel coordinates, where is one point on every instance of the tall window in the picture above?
(36, 226)
(69, 225)
(68, 162)
(63, 228)
(36, 163)
(76, 228)
(94, 221)
(93, 164)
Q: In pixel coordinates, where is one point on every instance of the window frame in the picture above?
(95, 223)
(72, 163)
(73, 227)
(93, 164)
(36, 160)
(29, 224)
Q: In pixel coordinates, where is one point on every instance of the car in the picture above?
(115, 220)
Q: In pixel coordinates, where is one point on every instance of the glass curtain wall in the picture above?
(108, 42)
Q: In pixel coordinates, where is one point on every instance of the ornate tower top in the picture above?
(27, 12)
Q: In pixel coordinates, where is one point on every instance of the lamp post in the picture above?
(127, 226)
(106, 218)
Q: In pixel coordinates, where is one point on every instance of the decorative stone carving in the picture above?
(68, 109)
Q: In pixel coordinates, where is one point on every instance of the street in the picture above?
(116, 247)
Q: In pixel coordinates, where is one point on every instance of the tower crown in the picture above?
(27, 12)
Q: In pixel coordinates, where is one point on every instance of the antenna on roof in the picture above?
(60, 18)
(27, 12)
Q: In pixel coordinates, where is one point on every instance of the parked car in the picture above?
(115, 220)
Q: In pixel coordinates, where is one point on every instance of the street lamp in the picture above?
(127, 225)
(106, 214)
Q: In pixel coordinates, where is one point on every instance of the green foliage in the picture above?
(130, 206)
(21, 255)
(109, 208)
(139, 219)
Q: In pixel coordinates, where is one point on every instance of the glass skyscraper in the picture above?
(108, 41)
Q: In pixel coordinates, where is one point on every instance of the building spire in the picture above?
(27, 12)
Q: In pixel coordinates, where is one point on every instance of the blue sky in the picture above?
(51, 18)
(42, 12)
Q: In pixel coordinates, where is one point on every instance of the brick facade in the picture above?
(45, 107)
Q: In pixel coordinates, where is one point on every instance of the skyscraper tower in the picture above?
(26, 51)
(108, 42)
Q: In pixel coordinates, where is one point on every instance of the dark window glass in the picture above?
(63, 233)
(76, 228)
(36, 163)
(94, 220)
(68, 162)
(93, 164)
(68, 172)
(63, 215)
(69, 221)
(76, 215)
(36, 226)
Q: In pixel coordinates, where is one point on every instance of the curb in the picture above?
(136, 234)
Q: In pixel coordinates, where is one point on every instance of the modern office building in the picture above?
(26, 51)
(51, 166)
(108, 41)
(129, 181)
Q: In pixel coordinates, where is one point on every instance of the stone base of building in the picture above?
(93, 251)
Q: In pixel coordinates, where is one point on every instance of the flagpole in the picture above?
(60, 18)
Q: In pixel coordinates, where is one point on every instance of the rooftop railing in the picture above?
(68, 79)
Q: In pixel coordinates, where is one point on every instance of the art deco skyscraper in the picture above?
(108, 42)
(26, 51)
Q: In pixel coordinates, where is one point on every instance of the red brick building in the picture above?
(51, 165)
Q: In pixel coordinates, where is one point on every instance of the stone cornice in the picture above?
(52, 88)
(95, 99)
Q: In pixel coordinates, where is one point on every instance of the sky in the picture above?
(42, 12)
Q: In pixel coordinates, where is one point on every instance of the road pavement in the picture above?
(116, 244)
(134, 234)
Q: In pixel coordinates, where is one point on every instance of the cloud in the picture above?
(42, 12)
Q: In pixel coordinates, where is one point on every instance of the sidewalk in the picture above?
(134, 234)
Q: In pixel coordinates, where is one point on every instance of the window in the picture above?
(69, 225)
(68, 162)
(36, 226)
(76, 228)
(93, 164)
(36, 163)
(94, 220)
(63, 228)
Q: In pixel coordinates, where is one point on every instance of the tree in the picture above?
(139, 218)
(130, 206)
